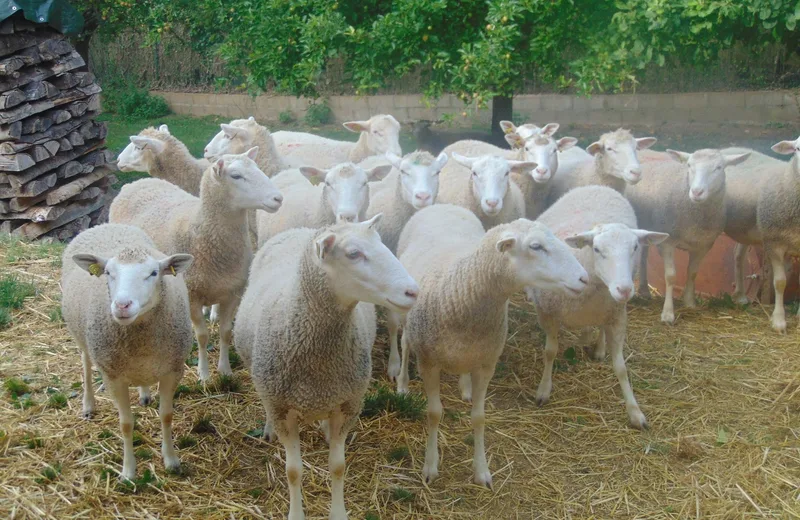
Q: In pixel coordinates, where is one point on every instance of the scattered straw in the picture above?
(719, 390)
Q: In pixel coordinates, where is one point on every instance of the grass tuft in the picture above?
(186, 441)
(57, 400)
(13, 291)
(203, 425)
(406, 406)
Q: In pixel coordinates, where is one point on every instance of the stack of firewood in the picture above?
(55, 173)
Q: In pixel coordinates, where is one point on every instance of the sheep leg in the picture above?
(88, 391)
(119, 392)
(213, 316)
(739, 255)
(695, 257)
(480, 383)
(465, 385)
(289, 435)
(550, 351)
(402, 377)
(201, 331)
(227, 311)
(166, 393)
(615, 335)
(776, 255)
(599, 353)
(145, 397)
(668, 255)
(336, 465)
(644, 287)
(430, 380)
(393, 323)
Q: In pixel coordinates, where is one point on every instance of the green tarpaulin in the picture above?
(56, 13)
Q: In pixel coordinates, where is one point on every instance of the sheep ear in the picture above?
(650, 238)
(219, 167)
(731, 160)
(581, 239)
(438, 163)
(252, 153)
(94, 265)
(506, 243)
(251, 118)
(357, 126)
(325, 245)
(394, 159)
(163, 128)
(175, 264)
(785, 147)
(463, 160)
(230, 131)
(371, 223)
(549, 129)
(521, 166)
(681, 157)
(379, 172)
(313, 174)
(645, 142)
(565, 143)
(148, 143)
(595, 148)
(508, 127)
(514, 140)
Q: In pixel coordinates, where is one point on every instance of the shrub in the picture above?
(286, 117)
(319, 114)
(122, 97)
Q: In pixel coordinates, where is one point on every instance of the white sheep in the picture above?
(213, 228)
(378, 135)
(127, 309)
(609, 251)
(164, 156)
(243, 134)
(310, 355)
(341, 194)
(460, 322)
(778, 219)
(524, 131)
(683, 195)
(483, 184)
(614, 164)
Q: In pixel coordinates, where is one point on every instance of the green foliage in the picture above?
(144, 454)
(203, 425)
(5, 318)
(16, 387)
(318, 114)
(226, 383)
(402, 495)
(398, 454)
(571, 356)
(55, 315)
(32, 441)
(49, 474)
(286, 117)
(186, 441)
(13, 292)
(57, 400)
(122, 97)
(406, 406)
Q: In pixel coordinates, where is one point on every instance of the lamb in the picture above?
(777, 219)
(685, 198)
(341, 195)
(310, 356)
(379, 134)
(163, 156)
(525, 131)
(126, 305)
(609, 252)
(460, 321)
(483, 185)
(615, 164)
(241, 135)
(213, 228)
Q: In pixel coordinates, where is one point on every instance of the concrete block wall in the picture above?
(755, 107)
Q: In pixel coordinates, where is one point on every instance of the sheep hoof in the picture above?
(599, 355)
(173, 467)
(483, 478)
(542, 400)
(87, 414)
(638, 420)
(430, 474)
(126, 477)
(466, 397)
(690, 304)
(779, 325)
(668, 317)
(740, 299)
(393, 370)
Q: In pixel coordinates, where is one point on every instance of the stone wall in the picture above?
(757, 107)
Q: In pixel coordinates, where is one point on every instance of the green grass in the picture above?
(144, 454)
(13, 291)
(17, 249)
(55, 315)
(57, 401)
(406, 406)
(186, 441)
(16, 387)
(225, 383)
(5, 318)
(398, 454)
(203, 425)
(49, 474)
(402, 495)
(32, 441)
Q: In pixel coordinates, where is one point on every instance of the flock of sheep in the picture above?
(441, 242)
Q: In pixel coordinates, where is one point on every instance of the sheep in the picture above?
(163, 156)
(241, 135)
(482, 184)
(684, 197)
(434, 142)
(125, 304)
(525, 131)
(743, 184)
(341, 195)
(540, 147)
(379, 134)
(615, 164)
(777, 217)
(609, 251)
(310, 356)
(460, 321)
(213, 228)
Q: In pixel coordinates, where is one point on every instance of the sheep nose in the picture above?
(541, 171)
(205, 150)
(636, 172)
(123, 304)
(278, 198)
(423, 196)
(696, 193)
(625, 292)
(492, 203)
(411, 293)
(584, 280)
(346, 217)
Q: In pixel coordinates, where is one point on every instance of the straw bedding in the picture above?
(721, 392)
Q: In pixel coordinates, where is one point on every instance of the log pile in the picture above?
(55, 173)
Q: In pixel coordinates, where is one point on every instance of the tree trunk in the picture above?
(502, 109)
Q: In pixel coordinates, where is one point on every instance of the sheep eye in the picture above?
(236, 177)
(154, 273)
(354, 255)
(538, 247)
(636, 247)
(596, 250)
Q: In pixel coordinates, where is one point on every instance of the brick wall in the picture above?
(757, 107)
